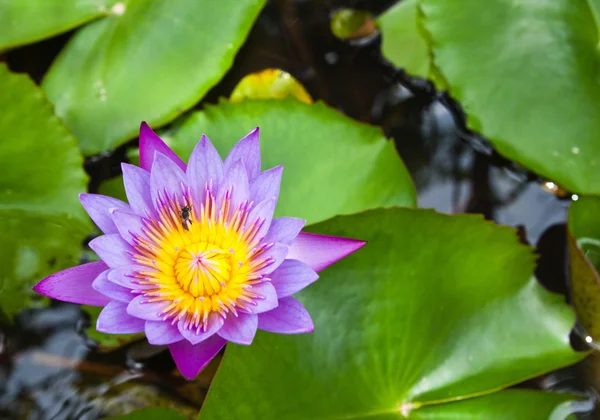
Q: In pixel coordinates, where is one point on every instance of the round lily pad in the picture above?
(433, 310)
(526, 74)
(41, 219)
(332, 164)
(25, 21)
(149, 62)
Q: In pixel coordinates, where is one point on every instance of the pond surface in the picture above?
(51, 370)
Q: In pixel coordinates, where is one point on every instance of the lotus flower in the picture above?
(196, 259)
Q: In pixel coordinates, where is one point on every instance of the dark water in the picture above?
(50, 370)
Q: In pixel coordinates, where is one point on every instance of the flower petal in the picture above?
(290, 317)
(113, 319)
(262, 213)
(205, 165)
(150, 143)
(240, 329)
(291, 277)
(268, 301)
(235, 182)
(137, 188)
(113, 291)
(266, 185)
(320, 251)
(284, 230)
(126, 276)
(113, 249)
(248, 150)
(139, 307)
(277, 255)
(195, 335)
(160, 333)
(75, 285)
(98, 207)
(191, 359)
(130, 225)
(166, 176)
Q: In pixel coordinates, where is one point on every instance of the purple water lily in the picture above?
(196, 258)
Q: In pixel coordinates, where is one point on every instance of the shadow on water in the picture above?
(50, 370)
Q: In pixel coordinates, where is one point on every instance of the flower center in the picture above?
(200, 260)
(203, 269)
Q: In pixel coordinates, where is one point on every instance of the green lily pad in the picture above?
(152, 413)
(113, 187)
(366, 172)
(41, 219)
(150, 62)
(584, 247)
(510, 404)
(434, 309)
(402, 42)
(26, 21)
(526, 74)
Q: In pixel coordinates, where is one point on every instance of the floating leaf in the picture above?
(269, 84)
(25, 21)
(433, 309)
(511, 404)
(526, 74)
(151, 62)
(41, 220)
(365, 173)
(402, 43)
(153, 413)
(584, 251)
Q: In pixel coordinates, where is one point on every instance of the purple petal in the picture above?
(150, 311)
(266, 185)
(98, 207)
(150, 143)
(269, 301)
(130, 225)
(126, 276)
(137, 187)
(166, 176)
(195, 335)
(291, 277)
(248, 151)
(320, 251)
(263, 213)
(74, 285)
(236, 181)
(240, 329)
(113, 249)
(290, 317)
(277, 255)
(191, 359)
(114, 320)
(113, 291)
(284, 230)
(205, 165)
(161, 333)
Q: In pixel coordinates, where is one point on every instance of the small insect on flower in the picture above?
(185, 217)
(196, 289)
